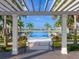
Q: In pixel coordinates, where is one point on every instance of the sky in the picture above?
(39, 21)
(36, 4)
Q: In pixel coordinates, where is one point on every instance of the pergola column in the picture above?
(64, 34)
(14, 39)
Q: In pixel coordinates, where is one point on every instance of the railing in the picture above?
(39, 30)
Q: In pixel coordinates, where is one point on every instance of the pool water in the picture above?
(38, 34)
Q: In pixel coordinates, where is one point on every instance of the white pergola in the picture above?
(19, 7)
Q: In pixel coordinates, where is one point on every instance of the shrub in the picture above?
(56, 38)
(22, 41)
(56, 44)
(72, 47)
(77, 36)
(5, 49)
(69, 36)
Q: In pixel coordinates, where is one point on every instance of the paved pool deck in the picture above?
(40, 54)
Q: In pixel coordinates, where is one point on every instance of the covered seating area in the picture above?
(17, 8)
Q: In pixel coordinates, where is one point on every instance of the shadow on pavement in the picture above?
(37, 54)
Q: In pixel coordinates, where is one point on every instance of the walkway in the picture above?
(41, 54)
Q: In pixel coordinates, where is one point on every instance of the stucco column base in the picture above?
(64, 51)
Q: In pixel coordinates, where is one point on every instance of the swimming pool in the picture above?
(38, 34)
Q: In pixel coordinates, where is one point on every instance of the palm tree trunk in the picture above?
(75, 36)
(5, 32)
(75, 31)
(20, 29)
(5, 37)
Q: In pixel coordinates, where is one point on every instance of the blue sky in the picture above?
(36, 4)
(39, 21)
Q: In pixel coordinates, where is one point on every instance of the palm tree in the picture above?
(1, 26)
(29, 26)
(20, 24)
(4, 29)
(9, 23)
(47, 26)
(70, 25)
(16, 3)
(70, 22)
(7, 29)
(75, 28)
(58, 23)
(1, 23)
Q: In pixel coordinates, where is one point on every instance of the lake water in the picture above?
(38, 34)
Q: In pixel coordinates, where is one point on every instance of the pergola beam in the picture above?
(26, 5)
(74, 7)
(20, 4)
(1, 9)
(57, 7)
(47, 1)
(9, 7)
(4, 8)
(32, 5)
(12, 5)
(40, 13)
(52, 5)
(65, 5)
(39, 5)
(71, 5)
(6, 5)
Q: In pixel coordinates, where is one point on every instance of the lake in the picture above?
(38, 34)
